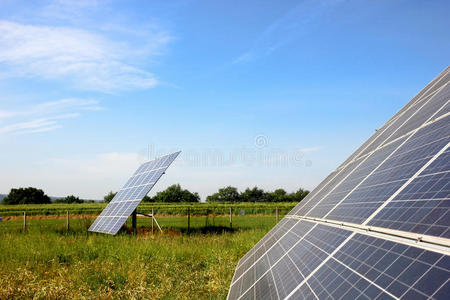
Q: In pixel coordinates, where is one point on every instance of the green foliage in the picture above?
(147, 199)
(227, 194)
(231, 194)
(254, 195)
(28, 195)
(297, 196)
(279, 195)
(175, 193)
(69, 199)
(109, 197)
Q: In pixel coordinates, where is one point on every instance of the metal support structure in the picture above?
(134, 221)
(152, 219)
(432, 243)
(231, 218)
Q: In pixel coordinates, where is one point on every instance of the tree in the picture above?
(175, 193)
(279, 195)
(69, 199)
(298, 195)
(147, 199)
(109, 197)
(28, 195)
(253, 195)
(227, 194)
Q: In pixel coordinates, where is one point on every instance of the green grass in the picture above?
(159, 208)
(48, 262)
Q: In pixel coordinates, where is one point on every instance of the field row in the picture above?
(242, 208)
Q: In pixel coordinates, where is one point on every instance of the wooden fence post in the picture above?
(24, 221)
(276, 209)
(231, 218)
(67, 221)
(189, 219)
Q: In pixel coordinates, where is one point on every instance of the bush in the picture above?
(69, 199)
(28, 195)
(175, 193)
(109, 197)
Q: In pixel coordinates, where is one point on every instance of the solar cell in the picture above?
(377, 227)
(423, 206)
(116, 213)
(392, 174)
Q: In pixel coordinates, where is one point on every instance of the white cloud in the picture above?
(44, 116)
(88, 60)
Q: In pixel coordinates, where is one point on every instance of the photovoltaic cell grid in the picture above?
(128, 198)
(397, 180)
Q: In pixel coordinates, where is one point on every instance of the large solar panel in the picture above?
(377, 227)
(128, 198)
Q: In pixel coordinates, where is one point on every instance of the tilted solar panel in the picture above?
(377, 227)
(128, 198)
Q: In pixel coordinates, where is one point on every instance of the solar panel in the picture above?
(377, 227)
(128, 198)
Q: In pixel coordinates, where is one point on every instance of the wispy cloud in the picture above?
(44, 116)
(52, 107)
(36, 125)
(88, 60)
(309, 149)
(295, 23)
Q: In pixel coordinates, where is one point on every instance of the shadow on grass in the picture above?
(173, 230)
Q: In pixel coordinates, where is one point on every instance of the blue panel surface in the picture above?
(116, 213)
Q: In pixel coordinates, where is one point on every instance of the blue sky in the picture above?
(266, 93)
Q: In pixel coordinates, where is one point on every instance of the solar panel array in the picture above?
(377, 227)
(128, 198)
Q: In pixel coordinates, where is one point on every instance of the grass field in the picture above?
(48, 261)
(160, 208)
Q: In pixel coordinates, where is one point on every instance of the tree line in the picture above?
(31, 195)
(174, 194)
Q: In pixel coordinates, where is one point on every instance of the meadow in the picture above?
(48, 262)
(146, 207)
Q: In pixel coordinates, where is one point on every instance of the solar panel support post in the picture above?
(133, 222)
(152, 219)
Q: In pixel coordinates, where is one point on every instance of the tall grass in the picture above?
(49, 262)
